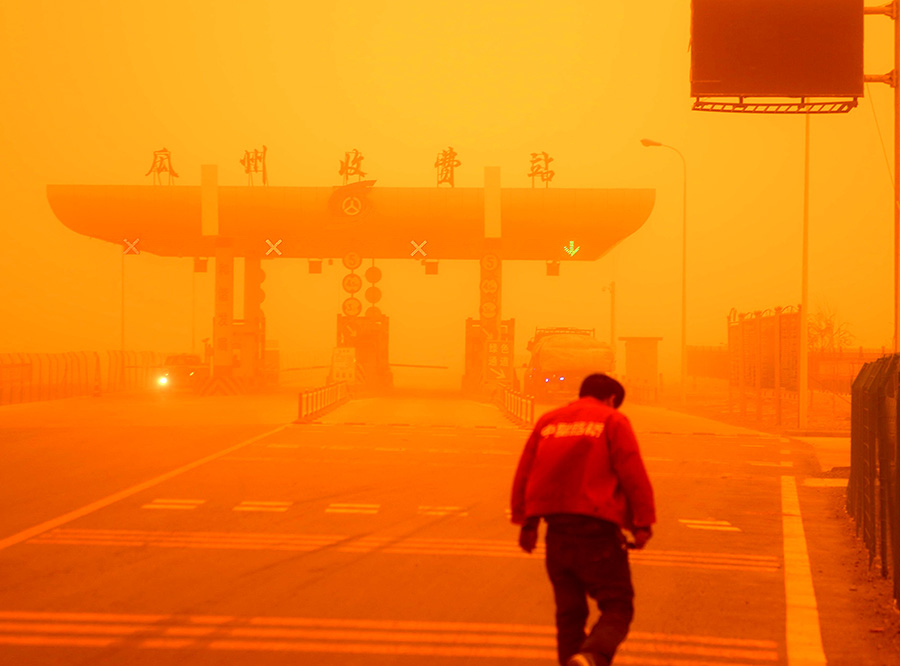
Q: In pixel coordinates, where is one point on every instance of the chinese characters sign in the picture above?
(351, 165)
(446, 164)
(255, 162)
(540, 168)
(162, 163)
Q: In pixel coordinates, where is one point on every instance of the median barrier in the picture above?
(516, 406)
(316, 401)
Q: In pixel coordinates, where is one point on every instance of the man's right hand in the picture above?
(528, 536)
(641, 536)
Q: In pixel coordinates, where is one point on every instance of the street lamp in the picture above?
(649, 143)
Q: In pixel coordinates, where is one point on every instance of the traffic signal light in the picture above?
(254, 294)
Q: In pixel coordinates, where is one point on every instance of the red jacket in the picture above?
(583, 459)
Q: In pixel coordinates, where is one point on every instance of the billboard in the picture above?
(777, 48)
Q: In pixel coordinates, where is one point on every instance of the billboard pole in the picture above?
(891, 11)
(894, 6)
(803, 373)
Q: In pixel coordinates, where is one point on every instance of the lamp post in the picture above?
(649, 143)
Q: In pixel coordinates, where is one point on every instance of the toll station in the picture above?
(356, 222)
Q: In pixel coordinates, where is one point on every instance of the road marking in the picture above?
(389, 545)
(804, 637)
(785, 452)
(783, 463)
(283, 446)
(826, 483)
(753, 446)
(442, 511)
(251, 505)
(340, 507)
(26, 534)
(360, 636)
(394, 449)
(177, 504)
(716, 525)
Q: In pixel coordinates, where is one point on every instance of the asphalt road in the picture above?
(206, 531)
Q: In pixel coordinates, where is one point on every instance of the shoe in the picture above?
(581, 659)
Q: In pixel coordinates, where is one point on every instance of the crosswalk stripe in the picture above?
(410, 546)
(359, 636)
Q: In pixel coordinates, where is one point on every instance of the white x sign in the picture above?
(273, 247)
(418, 248)
(131, 246)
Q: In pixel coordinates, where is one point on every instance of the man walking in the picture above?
(582, 472)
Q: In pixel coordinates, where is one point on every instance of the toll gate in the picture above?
(355, 222)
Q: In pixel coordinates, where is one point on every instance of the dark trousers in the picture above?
(586, 557)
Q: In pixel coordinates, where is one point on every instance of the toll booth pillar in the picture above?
(642, 368)
(223, 318)
(369, 337)
(489, 359)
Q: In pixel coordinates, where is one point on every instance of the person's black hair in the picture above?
(602, 386)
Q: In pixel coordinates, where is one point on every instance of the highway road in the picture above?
(207, 531)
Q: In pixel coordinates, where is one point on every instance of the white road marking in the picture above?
(26, 534)
(350, 636)
(342, 507)
(785, 452)
(759, 463)
(804, 637)
(442, 511)
(251, 505)
(826, 483)
(716, 525)
(394, 449)
(176, 504)
(440, 547)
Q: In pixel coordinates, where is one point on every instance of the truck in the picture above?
(561, 358)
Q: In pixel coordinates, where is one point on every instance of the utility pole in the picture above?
(803, 370)
(891, 10)
(612, 314)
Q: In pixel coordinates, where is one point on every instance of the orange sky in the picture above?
(93, 88)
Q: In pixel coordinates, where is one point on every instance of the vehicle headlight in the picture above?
(163, 380)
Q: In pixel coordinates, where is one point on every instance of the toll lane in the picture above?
(355, 536)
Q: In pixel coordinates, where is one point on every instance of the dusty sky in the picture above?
(93, 88)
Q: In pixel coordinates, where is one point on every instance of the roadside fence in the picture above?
(873, 492)
(761, 364)
(516, 406)
(317, 401)
(34, 377)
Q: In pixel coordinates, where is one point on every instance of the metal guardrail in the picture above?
(34, 377)
(316, 401)
(517, 406)
(872, 492)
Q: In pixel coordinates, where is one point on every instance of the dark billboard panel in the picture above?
(777, 48)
